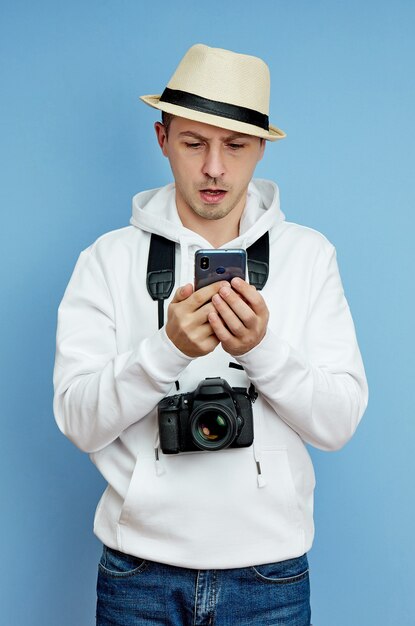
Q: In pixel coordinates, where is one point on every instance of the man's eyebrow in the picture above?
(235, 136)
(230, 137)
(190, 133)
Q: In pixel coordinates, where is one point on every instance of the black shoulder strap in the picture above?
(160, 271)
(258, 261)
(161, 262)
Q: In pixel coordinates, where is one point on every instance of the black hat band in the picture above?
(213, 107)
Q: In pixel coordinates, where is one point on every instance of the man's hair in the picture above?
(166, 119)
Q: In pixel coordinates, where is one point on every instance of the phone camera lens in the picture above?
(204, 263)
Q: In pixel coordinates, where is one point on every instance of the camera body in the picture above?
(212, 417)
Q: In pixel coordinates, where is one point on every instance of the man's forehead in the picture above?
(205, 131)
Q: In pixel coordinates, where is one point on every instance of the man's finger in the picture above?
(182, 293)
(201, 296)
(250, 295)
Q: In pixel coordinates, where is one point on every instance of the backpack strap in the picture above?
(160, 271)
(258, 261)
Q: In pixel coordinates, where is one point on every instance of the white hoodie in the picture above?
(207, 510)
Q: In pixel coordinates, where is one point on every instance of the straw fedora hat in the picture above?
(222, 88)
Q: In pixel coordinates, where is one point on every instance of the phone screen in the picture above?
(219, 264)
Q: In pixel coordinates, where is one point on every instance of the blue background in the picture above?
(76, 144)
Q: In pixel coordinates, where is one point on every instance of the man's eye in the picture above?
(236, 146)
(193, 145)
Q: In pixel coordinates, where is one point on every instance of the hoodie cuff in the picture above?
(262, 361)
(164, 361)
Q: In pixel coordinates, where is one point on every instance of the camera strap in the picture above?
(160, 271)
(161, 265)
(258, 261)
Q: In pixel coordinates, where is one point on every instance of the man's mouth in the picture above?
(212, 196)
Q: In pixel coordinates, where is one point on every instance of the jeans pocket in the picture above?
(119, 565)
(283, 572)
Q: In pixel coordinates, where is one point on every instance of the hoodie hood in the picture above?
(155, 211)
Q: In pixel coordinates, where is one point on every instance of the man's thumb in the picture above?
(183, 292)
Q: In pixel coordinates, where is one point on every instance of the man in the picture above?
(202, 537)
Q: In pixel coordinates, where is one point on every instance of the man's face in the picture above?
(212, 167)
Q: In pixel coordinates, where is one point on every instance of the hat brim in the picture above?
(273, 134)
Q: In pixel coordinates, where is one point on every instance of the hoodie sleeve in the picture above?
(320, 393)
(98, 392)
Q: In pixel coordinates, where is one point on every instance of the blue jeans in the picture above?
(132, 591)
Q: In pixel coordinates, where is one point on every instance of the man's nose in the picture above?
(213, 166)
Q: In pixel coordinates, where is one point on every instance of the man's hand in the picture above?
(240, 318)
(187, 320)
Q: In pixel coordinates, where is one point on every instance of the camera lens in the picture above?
(212, 427)
(204, 262)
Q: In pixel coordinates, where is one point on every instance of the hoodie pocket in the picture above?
(200, 493)
(277, 472)
(132, 497)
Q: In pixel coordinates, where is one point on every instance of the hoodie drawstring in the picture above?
(160, 469)
(184, 261)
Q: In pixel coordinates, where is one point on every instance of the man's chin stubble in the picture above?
(212, 214)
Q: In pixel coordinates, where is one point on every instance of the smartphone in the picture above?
(219, 264)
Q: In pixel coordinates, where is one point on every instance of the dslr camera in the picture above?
(212, 417)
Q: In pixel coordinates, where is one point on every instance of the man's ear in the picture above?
(161, 136)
